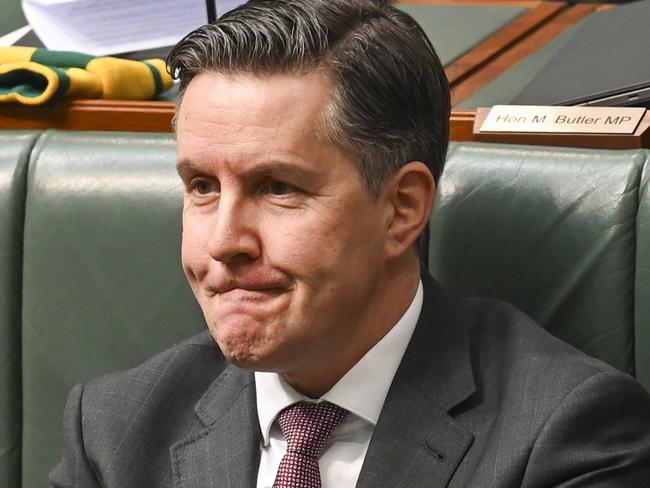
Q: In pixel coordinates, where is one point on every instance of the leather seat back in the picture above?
(14, 157)
(554, 231)
(103, 284)
(551, 230)
(642, 284)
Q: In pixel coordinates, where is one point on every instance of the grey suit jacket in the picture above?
(483, 398)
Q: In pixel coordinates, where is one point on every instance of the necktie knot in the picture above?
(306, 427)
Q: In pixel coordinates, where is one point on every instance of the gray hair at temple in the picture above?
(390, 100)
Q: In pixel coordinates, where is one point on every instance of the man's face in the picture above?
(282, 241)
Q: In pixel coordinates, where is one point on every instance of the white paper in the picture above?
(12, 37)
(102, 27)
(224, 6)
(51, 2)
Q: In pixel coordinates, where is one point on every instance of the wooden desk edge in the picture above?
(115, 115)
(110, 115)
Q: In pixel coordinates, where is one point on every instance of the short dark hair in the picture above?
(390, 101)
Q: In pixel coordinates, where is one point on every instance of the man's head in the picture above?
(389, 100)
(305, 148)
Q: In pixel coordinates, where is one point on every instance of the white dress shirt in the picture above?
(361, 391)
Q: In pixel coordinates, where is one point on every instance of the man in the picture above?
(311, 134)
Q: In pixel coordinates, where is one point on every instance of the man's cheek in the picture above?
(191, 257)
(298, 245)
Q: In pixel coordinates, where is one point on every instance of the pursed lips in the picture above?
(247, 290)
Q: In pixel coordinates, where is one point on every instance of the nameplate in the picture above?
(576, 120)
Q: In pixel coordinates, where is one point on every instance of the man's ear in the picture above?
(410, 193)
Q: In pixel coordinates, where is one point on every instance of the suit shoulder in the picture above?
(131, 418)
(600, 431)
(502, 336)
(201, 347)
(180, 373)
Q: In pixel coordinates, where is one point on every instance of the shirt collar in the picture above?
(362, 390)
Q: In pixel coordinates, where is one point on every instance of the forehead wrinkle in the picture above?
(270, 148)
(226, 131)
(268, 104)
(251, 134)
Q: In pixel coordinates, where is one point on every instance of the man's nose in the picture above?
(234, 236)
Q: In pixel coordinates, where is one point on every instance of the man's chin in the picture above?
(242, 347)
(249, 360)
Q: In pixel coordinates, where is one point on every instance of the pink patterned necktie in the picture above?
(306, 427)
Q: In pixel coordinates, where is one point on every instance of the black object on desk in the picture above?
(606, 63)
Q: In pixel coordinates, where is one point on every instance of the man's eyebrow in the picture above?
(186, 167)
(274, 167)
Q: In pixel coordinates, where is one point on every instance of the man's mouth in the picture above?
(248, 288)
(246, 294)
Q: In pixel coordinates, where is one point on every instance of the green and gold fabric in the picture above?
(35, 76)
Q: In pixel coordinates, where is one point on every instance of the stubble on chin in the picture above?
(252, 341)
(243, 349)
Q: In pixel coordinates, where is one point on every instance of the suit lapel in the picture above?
(416, 442)
(224, 454)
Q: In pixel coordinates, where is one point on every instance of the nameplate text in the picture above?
(578, 120)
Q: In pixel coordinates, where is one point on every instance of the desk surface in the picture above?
(523, 27)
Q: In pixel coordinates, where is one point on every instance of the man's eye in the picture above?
(204, 187)
(280, 188)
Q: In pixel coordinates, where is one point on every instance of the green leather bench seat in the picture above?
(562, 233)
(553, 231)
(642, 284)
(441, 22)
(103, 284)
(15, 148)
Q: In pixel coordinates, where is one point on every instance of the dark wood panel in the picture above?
(541, 36)
(480, 55)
